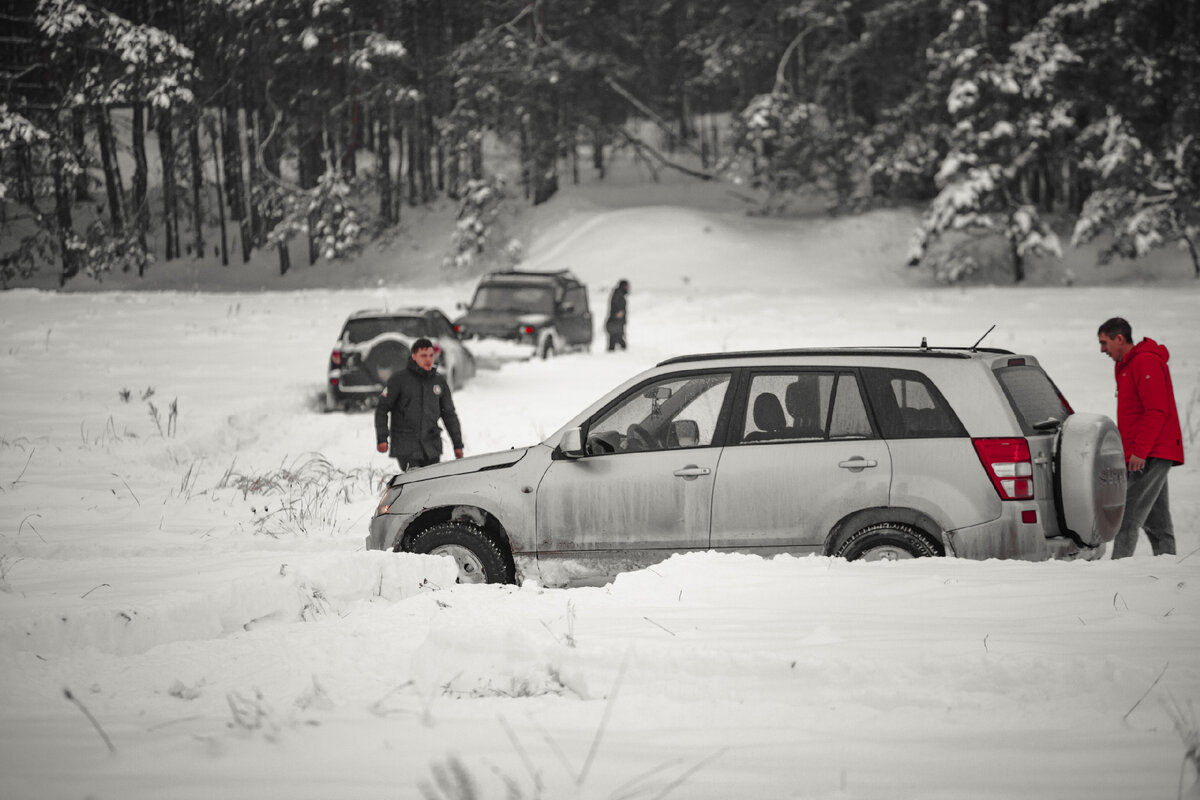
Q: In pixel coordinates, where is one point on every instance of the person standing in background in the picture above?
(1149, 424)
(615, 324)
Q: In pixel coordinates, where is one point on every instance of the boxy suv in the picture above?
(856, 453)
(374, 343)
(546, 310)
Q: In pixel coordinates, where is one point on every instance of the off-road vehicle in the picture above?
(374, 343)
(548, 311)
(879, 453)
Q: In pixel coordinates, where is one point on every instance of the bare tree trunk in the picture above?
(197, 169)
(235, 187)
(108, 162)
(216, 151)
(62, 214)
(166, 153)
(141, 207)
(384, 150)
(256, 179)
(83, 191)
(414, 158)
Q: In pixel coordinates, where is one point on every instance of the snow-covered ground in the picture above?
(187, 611)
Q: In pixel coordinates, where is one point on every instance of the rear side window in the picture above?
(1032, 395)
(908, 406)
(805, 406)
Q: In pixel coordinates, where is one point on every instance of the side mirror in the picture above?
(571, 445)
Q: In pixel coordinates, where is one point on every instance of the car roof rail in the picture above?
(914, 352)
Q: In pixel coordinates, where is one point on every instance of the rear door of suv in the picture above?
(802, 454)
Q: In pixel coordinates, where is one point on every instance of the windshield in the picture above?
(361, 330)
(510, 297)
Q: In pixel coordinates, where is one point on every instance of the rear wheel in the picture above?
(478, 558)
(885, 541)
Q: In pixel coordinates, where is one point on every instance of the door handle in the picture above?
(691, 472)
(858, 463)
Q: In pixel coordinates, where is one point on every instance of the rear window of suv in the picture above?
(908, 405)
(1033, 396)
(361, 330)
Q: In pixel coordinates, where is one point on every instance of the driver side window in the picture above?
(669, 414)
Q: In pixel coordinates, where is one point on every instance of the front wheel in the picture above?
(885, 541)
(478, 558)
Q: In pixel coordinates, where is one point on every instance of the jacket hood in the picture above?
(1146, 347)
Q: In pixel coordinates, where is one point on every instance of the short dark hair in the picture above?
(1116, 325)
(421, 344)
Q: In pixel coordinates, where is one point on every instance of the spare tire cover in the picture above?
(1090, 478)
(384, 357)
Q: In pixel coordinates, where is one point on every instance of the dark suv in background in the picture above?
(546, 310)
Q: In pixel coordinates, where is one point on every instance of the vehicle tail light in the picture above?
(527, 330)
(335, 358)
(1008, 464)
(1065, 404)
(333, 381)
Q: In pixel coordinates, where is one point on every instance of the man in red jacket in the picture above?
(1150, 432)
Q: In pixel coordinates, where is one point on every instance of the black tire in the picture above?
(885, 541)
(478, 558)
(548, 349)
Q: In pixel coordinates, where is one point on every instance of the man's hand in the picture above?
(381, 447)
(1136, 463)
(458, 452)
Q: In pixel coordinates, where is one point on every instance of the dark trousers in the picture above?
(412, 462)
(1146, 507)
(616, 338)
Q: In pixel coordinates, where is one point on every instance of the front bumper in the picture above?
(385, 529)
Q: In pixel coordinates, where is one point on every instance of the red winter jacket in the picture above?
(1146, 413)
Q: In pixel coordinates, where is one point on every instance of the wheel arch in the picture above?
(851, 523)
(480, 518)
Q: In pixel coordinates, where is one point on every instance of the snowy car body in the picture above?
(373, 343)
(545, 311)
(857, 453)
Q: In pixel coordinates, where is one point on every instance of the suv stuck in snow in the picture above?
(878, 453)
(374, 343)
(547, 311)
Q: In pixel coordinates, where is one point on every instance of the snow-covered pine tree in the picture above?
(1004, 115)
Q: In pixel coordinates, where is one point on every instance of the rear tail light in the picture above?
(1065, 404)
(1008, 464)
(335, 358)
(527, 330)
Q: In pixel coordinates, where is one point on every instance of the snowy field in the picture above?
(187, 611)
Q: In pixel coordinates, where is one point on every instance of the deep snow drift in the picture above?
(182, 554)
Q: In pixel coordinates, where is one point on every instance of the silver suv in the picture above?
(878, 453)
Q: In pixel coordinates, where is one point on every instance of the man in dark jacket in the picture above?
(416, 397)
(614, 326)
(1150, 432)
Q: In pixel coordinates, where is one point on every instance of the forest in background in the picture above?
(274, 120)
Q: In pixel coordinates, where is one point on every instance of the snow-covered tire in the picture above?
(885, 541)
(548, 348)
(478, 558)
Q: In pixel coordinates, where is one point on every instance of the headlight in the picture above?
(390, 494)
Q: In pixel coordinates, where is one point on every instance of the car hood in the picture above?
(462, 466)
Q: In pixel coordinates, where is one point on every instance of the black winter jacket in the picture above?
(415, 399)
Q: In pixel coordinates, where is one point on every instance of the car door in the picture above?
(575, 323)
(644, 488)
(802, 455)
